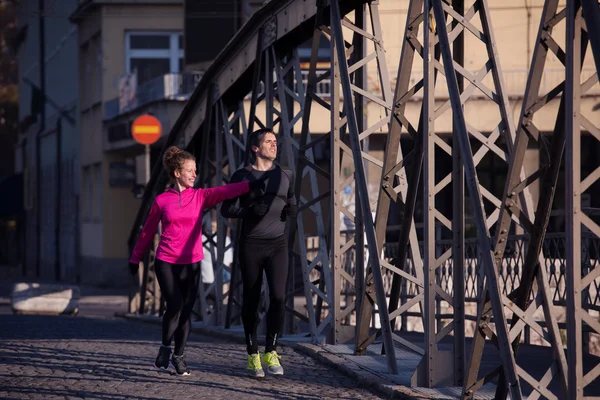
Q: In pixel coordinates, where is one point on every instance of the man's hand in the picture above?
(260, 209)
(289, 211)
(259, 184)
(133, 268)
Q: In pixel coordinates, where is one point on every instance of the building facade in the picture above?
(107, 62)
(130, 63)
(47, 149)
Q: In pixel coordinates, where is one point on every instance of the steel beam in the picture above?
(219, 136)
(337, 186)
(359, 42)
(480, 218)
(591, 14)
(336, 266)
(431, 371)
(291, 93)
(515, 187)
(576, 219)
(309, 203)
(394, 171)
(235, 139)
(371, 38)
(361, 184)
(458, 220)
(427, 373)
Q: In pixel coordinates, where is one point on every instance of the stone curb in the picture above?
(44, 298)
(363, 376)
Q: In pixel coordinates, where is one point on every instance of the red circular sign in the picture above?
(146, 129)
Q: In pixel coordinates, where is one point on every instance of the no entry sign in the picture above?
(146, 129)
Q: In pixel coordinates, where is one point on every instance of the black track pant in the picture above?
(179, 285)
(256, 256)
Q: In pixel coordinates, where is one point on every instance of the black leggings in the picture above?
(179, 285)
(256, 256)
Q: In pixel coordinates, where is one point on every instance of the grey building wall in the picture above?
(48, 145)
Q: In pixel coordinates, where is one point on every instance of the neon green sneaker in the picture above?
(254, 366)
(271, 359)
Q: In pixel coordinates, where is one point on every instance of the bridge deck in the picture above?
(534, 359)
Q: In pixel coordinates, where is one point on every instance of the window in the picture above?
(85, 71)
(153, 54)
(98, 69)
(86, 194)
(97, 201)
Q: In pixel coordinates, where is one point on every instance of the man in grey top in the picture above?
(263, 246)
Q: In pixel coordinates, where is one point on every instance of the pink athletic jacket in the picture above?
(181, 217)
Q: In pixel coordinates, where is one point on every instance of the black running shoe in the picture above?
(180, 366)
(162, 360)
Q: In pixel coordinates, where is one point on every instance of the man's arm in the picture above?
(291, 206)
(229, 208)
(291, 197)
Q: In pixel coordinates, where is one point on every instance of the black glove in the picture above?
(260, 209)
(133, 268)
(258, 185)
(289, 211)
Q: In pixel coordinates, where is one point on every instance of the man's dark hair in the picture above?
(254, 139)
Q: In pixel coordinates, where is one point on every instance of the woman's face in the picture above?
(186, 175)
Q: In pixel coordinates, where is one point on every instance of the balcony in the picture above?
(165, 87)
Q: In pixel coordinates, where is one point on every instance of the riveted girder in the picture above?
(348, 283)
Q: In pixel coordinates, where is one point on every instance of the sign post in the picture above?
(146, 130)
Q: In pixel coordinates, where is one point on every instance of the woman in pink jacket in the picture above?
(180, 251)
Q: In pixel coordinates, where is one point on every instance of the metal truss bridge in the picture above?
(349, 283)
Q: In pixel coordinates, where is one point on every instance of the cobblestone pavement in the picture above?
(51, 357)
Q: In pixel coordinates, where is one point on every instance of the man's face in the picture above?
(267, 147)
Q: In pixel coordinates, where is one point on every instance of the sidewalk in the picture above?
(369, 370)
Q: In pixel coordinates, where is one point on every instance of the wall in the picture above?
(120, 201)
(117, 20)
(90, 88)
(52, 228)
(108, 212)
(90, 201)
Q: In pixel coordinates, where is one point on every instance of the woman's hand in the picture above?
(133, 268)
